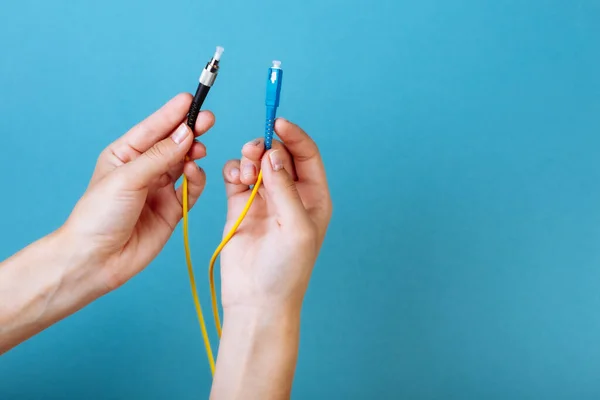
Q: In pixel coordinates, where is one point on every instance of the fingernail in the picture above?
(180, 134)
(235, 173)
(249, 170)
(254, 142)
(276, 162)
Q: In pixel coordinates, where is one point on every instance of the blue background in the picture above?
(461, 139)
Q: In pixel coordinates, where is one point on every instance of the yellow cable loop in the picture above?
(188, 259)
(211, 268)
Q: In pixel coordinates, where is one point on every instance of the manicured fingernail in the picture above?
(249, 170)
(276, 161)
(235, 173)
(254, 142)
(180, 134)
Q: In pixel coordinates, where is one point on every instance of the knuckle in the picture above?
(120, 180)
(306, 234)
(157, 151)
(105, 154)
(124, 183)
(164, 180)
(291, 186)
(312, 150)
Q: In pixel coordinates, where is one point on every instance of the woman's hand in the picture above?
(121, 223)
(266, 266)
(131, 206)
(270, 258)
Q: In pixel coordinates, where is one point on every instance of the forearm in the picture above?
(40, 285)
(257, 354)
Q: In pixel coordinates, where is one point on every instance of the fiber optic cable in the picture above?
(274, 78)
(206, 81)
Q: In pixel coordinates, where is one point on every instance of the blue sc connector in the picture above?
(274, 78)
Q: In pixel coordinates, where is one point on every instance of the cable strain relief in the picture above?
(199, 97)
(270, 127)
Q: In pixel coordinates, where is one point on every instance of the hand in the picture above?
(266, 266)
(270, 259)
(131, 207)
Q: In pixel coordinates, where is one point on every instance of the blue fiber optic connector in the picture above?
(274, 78)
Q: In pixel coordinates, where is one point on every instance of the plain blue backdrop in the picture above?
(461, 139)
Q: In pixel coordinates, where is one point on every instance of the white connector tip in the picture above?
(276, 64)
(218, 53)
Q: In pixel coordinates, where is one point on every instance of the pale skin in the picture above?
(130, 210)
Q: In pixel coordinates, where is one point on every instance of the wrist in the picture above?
(265, 314)
(68, 275)
(42, 284)
(81, 262)
(258, 353)
(262, 328)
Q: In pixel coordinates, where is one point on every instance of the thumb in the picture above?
(160, 158)
(281, 189)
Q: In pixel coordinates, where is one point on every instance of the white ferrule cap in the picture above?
(218, 53)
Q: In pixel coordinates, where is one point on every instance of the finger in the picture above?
(155, 127)
(252, 153)
(197, 151)
(249, 165)
(196, 182)
(309, 168)
(254, 149)
(288, 162)
(169, 203)
(231, 176)
(205, 121)
(159, 159)
(158, 125)
(281, 189)
(304, 151)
